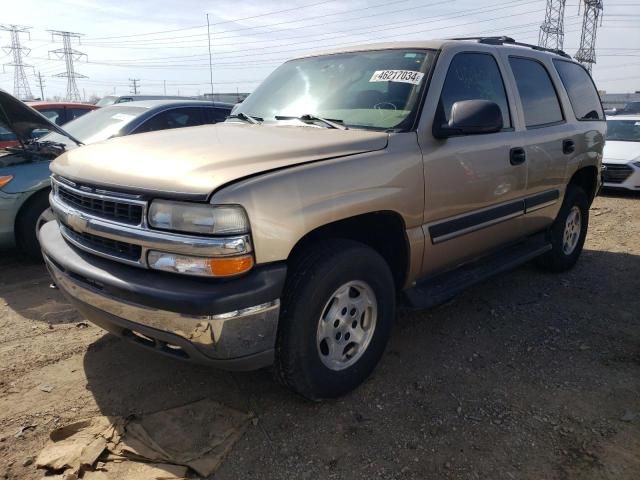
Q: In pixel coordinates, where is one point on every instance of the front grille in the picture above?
(616, 173)
(106, 246)
(108, 209)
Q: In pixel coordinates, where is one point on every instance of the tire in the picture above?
(561, 257)
(28, 219)
(303, 362)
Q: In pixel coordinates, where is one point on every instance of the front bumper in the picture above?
(230, 324)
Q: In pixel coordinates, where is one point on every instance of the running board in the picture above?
(442, 287)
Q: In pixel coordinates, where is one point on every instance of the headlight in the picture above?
(637, 164)
(200, 266)
(198, 218)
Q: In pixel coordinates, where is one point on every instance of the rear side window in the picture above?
(215, 115)
(581, 90)
(175, 118)
(473, 76)
(537, 93)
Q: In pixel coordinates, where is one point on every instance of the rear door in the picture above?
(548, 138)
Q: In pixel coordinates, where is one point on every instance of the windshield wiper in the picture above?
(247, 118)
(307, 118)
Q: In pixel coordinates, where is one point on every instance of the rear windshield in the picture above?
(373, 89)
(623, 130)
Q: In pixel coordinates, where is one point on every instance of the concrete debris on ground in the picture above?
(156, 446)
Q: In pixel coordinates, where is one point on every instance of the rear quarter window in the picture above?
(583, 95)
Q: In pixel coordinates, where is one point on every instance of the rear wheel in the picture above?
(568, 232)
(28, 221)
(337, 312)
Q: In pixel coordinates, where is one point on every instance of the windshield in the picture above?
(623, 130)
(97, 125)
(372, 89)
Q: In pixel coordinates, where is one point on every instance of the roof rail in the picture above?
(510, 41)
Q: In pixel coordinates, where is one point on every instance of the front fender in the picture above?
(27, 177)
(285, 205)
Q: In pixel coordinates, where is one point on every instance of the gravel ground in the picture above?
(528, 376)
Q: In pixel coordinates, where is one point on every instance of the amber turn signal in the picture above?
(226, 267)
(5, 179)
(200, 266)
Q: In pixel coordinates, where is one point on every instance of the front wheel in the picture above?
(568, 232)
(338, 308)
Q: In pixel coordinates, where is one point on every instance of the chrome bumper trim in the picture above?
(147, 239)
(223, 336)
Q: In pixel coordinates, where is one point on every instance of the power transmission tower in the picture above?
(586, 53)
(41, 85)
(552, 29)
(21, 87)
(134, 85)
(69, 55)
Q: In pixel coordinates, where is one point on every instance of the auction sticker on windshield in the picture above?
(404, 76)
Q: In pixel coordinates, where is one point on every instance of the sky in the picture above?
(164, 43)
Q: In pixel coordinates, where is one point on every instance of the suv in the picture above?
(346, 182)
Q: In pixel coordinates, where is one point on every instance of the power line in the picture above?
(21, 87)
(298, 20)
(218, 23)
(366, 29)
(233, 54)
(69, 55)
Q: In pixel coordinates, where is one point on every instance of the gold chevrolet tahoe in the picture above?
(346, 182)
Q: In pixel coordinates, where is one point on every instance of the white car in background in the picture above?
(622, 152)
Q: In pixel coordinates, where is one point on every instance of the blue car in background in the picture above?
(24, 169)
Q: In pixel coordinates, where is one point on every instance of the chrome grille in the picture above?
(106, 246)
(616, 173)
(109, 209)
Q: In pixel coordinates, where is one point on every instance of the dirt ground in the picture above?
(528, 376)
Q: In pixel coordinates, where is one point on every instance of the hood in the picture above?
(22, 120)
(620, 152)
(198, 160)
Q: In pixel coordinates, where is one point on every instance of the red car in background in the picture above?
(62, 112)
(56, 112)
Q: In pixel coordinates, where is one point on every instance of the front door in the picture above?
(474, 187)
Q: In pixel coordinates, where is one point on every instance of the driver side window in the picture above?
(473, 76)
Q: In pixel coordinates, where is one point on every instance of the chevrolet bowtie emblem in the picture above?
(76, 222)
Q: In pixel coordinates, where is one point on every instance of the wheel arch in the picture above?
(24, 207)
(587, 179)
(384, 231)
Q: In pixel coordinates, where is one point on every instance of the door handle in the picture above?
(568, 146)
(517, 156)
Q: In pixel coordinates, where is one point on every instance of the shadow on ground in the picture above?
(41, 303)
(528, 375)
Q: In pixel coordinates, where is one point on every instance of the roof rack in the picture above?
(510, 41)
